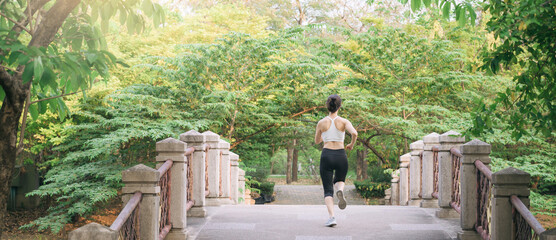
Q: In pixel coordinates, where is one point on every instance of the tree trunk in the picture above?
(17, 93)
(10, 113)
(294, 161)
(365, 165)
(362, 164)
(289, 164)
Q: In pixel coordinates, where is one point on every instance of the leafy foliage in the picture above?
(369, 189)
(526, 36)
(231, 68)
(111, 133)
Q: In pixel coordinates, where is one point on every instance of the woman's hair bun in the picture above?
(333, 103)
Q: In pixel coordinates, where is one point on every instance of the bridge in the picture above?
(444, 189)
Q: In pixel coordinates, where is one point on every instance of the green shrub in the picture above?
(370, 189)
(377, 174)
(260, 174)
(267, 188)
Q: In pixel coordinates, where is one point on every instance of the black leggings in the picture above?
(330, 161)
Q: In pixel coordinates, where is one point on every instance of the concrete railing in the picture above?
(442, 172)
(194, 172)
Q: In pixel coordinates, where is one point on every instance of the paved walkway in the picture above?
(311, 195)
(306, 222)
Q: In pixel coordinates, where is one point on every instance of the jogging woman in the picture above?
(333, 161)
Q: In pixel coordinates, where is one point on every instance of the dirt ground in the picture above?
(18, 218)
(547, 221)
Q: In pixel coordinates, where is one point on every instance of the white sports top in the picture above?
(333, 134)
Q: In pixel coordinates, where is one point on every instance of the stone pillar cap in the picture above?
(211, 137)
(475, 146)
(452, 136)
(223, 144)
(432, 138)
(233, 156)
(170, 145)
(417, 145)
(193, 137)
(405, 158)
(511, 176)
(140, 173)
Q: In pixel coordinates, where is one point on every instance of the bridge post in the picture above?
(471, 151)
(404, 179)
(173, 149)
(197, 140)
(395, 189)
(241, 196)
(448, 140)
(213, 155)
(145, 180)
(429, 141)
(507, 182)
(234, 178)
(225, 172)
(415, 173)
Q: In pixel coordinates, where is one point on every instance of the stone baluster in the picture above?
(388, 196)
(448, 140)
(173, 149)
(145, 180)
(471, 151)
(234, 178)
(395, 190)
(197, 140)
(213, 155)
(404, 179)
(507, 182)
(415, 173)
(241, 181)
(429, 141)
(225, 172)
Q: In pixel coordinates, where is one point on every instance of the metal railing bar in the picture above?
(126, 212)
(484, 169)
(165, 167)
(526, 214)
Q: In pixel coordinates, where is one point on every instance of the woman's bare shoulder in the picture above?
(344, 120)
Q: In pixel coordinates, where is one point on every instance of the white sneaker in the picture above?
(331, 222)
(342, 201)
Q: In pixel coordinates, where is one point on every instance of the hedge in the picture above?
(369, 189)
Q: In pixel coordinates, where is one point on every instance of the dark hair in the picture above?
(333, 103)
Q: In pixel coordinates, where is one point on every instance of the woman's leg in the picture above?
(326, 175)
(329, 202)
(340, 185)
(341, 167)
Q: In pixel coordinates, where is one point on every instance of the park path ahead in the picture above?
(311, 195)
(299, 214)
(306, 222)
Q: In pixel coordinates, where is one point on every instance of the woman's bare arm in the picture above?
(318, 132)
(353, 132)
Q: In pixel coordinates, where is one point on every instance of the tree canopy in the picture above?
(117, 76)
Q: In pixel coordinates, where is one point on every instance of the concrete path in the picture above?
(311, 195)
(306, 222)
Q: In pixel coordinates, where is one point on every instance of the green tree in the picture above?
(50, 49)
(526, 39)
(403, 87)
